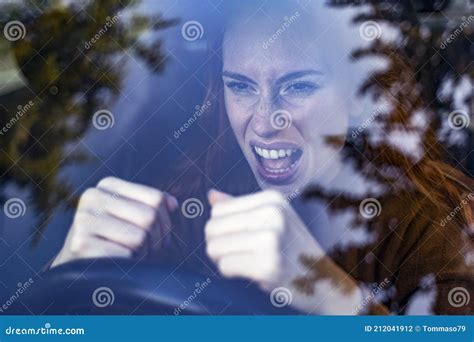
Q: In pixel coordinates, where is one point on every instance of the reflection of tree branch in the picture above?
(411, 84)
(68, 80)
(319, 270)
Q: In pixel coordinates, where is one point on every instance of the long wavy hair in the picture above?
(219, 162)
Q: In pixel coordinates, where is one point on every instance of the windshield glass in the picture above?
(344, 127)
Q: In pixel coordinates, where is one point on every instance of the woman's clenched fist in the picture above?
(118, 219)
(260, 237)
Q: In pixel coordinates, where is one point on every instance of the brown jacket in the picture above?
(421, 253)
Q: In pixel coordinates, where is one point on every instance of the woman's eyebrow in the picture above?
(297, 74)
(237, 76)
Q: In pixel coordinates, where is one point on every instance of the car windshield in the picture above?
(353, 117)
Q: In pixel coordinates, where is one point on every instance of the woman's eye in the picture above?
(299, 88)
(240, 87)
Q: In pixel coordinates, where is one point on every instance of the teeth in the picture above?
(273, 154)
(282, 170)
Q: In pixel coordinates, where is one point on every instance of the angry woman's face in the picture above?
(284, 98)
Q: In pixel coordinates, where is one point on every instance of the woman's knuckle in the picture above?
(140, 237)
(82, 220)
(209, 229)
(225, 268)
(148, 216)
(109, 180)
(211, 249)
(276, 196)
(78, 245)
(156, 197)
(89, 195)
(127, 253)
(273, 216)
(278, 218)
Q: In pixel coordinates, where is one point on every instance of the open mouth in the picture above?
(277, 165)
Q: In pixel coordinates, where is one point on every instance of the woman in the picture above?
(283, 99)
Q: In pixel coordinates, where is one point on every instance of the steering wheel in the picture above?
(126, 287)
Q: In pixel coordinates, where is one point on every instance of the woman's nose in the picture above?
(262, 119)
